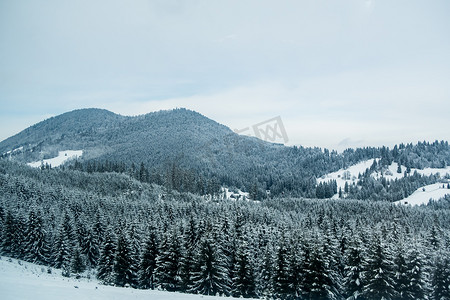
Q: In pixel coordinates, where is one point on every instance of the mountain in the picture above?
(182, 148)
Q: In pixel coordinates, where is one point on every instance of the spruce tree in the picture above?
(353, 279)
(440, 280)
(123, 273)
(147, 267)
(106, 260)
(210, 276)
(417, 286)
(36, 245)
(77, 263)
(61, 249)
(379, 275)
(244, 278)
(169, 262)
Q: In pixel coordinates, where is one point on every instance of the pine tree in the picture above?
(77, 264)
(36, 245)
(106, 260)
(321, 282)
(123, 273)
(61, 249)
(244, 280)
(417, 286)
(401, 279)
(147, 268)
(169, 262)
(440, 280)
(282, 272)
(378, 276)
(10, 242)
(353, 280)
(210, 276)
(91, 249)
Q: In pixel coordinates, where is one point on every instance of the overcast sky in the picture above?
(339, 73)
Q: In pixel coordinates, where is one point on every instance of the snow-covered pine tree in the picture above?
(210, 275)
(106, 260)
(378, 274)
(123, 273)
(77, 264)
(244, 278)
(91, 249)
(353, 279)
(282, 272)
(147, 267)
(36, 245)
(265, 286)
(440, 279)
(401, 277)
(416, 273)
(62, 254)
(11, 242)
(169, 262)
(322, 285)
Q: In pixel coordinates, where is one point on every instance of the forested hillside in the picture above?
(186, 151)
(146, 236)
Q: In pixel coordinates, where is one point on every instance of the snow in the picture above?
(14, 150)
(391, 172)
(62, 157)
(352, 173)
(234, 195)
(424, 194)
(22, 280)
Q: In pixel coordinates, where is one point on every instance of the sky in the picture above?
(339, 74)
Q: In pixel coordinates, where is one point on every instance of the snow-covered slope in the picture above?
(22, 280)
(349, 175)
(391, 173)
(62, 157)
(424, 194)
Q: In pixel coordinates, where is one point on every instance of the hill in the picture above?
(187, 151)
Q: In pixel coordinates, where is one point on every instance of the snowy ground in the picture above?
(21, 280)
(237, 194)
(424, 194)
(62, 157)
(350, 175)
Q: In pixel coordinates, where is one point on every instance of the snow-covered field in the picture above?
(22, 280)
(62, 157)
(424, 194)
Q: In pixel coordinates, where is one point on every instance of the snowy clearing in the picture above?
(236, 194)
(349, 175)
(62, 157)
(424, 194)
(22, 280)
(391, 172)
